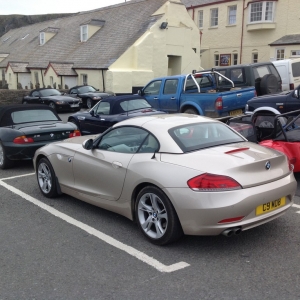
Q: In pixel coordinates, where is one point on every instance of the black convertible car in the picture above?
(88, 94)
(110, 111)
(53, 98)
(25, 128)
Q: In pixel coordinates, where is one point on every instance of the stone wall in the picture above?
(14, 96)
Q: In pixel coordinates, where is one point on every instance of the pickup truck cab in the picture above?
(197, 93)
(275, 103)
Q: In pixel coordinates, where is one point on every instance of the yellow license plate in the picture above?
(236, 112)
(269, 206)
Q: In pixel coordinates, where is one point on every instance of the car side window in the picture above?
(170, 86)
(35, 94)
(127, 139)
(103, 108)
(153, 88)
(73, 91)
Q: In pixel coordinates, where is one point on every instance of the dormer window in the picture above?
(42, 38)
(47, 34)
(89, 28)
(83, 33)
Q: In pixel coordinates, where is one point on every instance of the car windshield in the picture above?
(86, 89)
(49, 92)
(134, 104)
(203, 135)
(35, 115)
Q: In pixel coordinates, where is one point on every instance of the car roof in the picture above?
(8, 109)
(114, 99)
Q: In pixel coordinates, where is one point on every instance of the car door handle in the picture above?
(238, 95)
(116, 164)
(172, 98)
(155, 98)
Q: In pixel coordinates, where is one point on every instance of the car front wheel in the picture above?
(52, 105)
(4, 161)
(89, 102)
(46, 178)
(157, 217)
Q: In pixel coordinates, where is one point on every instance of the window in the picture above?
(84, 78)
(214, 17)
(200, 14)
(129, 139)
(254, 57)
(279, 54)
(36, 76)
(231, 15)
(235, 58)
(38, 115)
(171, 86)
(51, 81)
(83, 33)
(103, 108)
(42, 38)
(295, 53)
(217, 59)
(262, 11)
(153, 88)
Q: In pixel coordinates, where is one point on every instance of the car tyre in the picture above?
(5, 163)
(191, 111)
(52, 105)
(268, 84)
(25, 102)
(46, 178)
(156, 216)
(89, 103)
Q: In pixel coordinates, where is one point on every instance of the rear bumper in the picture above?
(201, 212)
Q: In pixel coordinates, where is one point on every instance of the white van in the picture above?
(289, 70)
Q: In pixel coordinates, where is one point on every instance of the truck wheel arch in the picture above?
(191, 108)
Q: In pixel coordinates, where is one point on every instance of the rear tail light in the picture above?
(292, 87)
(219, 103)
(291, 163)
(23, 140)
(213, 183)
(74, 133)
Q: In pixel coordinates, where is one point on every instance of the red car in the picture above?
(279, 132)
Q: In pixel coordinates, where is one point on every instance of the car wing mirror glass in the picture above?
(92, 113)
(88, 144)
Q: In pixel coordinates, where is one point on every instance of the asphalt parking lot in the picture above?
(66, 249)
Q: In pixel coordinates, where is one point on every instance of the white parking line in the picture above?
(102, 236)
(297, 206)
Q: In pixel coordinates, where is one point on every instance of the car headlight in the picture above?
(246, 107)
(59, 102)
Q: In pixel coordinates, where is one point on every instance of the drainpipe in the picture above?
(42, 77)
(103, 83)
(17, 79)
(242, 34)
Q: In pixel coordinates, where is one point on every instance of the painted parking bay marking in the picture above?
(102, 236)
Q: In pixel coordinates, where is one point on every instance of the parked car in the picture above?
(197, 93)
(53, 98)
(173, 174)
(110, 111)
(280, 132)
(289, 70)
(88, 94)
(263, 75)
(25, 128)
(275, 103)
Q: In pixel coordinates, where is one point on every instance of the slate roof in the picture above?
(292, 39)
(189, 3)
(19, 67)
(63, 69)
(124, 24)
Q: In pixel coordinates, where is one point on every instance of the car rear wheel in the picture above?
(52, 105)
(191, 111)
(89, 102)
(24, 102)
(46, 178)
(157, 217)
(4, 161)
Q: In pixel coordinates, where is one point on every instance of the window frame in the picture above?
(217, 59)
(281, 52)
(254, 59)
(229, 10)
(200, 18)
(214, 20)
(84, 34)
(42, 38)
(263, 12)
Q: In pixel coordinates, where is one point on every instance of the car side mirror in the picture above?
(297, 92)
(88, 144)
(140, 92)
(92, 113)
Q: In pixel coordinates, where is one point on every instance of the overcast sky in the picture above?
(38, 7)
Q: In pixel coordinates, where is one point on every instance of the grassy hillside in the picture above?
(8, 22)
